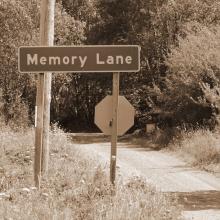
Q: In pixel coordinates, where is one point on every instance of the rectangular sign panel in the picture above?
(100, 58)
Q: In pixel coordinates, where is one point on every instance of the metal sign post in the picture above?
(114, 124)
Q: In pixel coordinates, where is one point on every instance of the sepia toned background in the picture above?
(168, 163)
(179, 78)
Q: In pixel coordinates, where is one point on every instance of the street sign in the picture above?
(103, 115)
(98, 58)
(114, 115)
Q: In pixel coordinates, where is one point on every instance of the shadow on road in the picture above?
(126, 141)
(88, 138)
(201, 200)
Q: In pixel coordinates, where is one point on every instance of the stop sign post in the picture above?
(114, 115)
(114, 125)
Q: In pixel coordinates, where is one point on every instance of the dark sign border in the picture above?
(81, 71)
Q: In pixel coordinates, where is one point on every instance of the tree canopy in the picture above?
(179, 74)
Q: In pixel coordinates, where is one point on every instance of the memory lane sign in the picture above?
(119, 115)
(99, 58)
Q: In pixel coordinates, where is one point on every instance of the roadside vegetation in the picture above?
(199, 148)
(179, 78)
(76, 188)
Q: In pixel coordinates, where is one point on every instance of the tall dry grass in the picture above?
(76, 187)
(200, 148)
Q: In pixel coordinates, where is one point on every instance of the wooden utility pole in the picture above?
(43, 94)
(114, 135)
(47, 39)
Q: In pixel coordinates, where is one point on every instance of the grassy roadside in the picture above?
(77, 187)
(199, 148)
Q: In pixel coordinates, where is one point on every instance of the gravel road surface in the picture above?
(197, 190)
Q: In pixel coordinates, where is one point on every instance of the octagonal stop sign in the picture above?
(103, 115)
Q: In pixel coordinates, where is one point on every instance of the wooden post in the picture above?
(47, 39)
(39, 130)
(114, 135)
(43, 94)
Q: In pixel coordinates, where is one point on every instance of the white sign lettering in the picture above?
(112, 60)
(31, 60)
(51, 60)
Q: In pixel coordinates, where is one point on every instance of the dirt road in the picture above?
(197, 190)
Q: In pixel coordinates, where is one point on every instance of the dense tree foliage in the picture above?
(160, 28)
(179, 78)
(192, 80)
(19, 24)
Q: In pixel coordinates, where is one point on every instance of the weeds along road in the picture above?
(197, 190)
